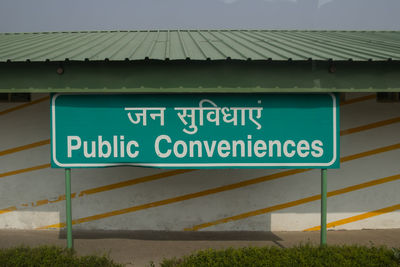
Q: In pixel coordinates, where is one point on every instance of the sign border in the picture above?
(188, 165)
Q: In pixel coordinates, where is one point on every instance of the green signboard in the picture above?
(195, 130)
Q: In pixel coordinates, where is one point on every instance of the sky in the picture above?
(85, 15)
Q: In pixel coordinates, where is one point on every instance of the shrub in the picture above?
(304, 255)
(50, 256)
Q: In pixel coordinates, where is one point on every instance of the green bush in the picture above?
(304, 255)
(50, 256)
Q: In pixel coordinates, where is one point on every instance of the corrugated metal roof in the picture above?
(201, 45)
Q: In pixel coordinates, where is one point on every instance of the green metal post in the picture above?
(324, 199)
(68, 207)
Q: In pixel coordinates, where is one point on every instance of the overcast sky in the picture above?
(77, 15)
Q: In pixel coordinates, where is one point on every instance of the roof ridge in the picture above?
(190, 30)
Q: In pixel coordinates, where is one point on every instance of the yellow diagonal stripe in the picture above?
(133, 182)
(34, 168)
(370, 126)
(128, 183)
(293, 203)
(105, 188)
(24, 105)
(100, 189)
(9, 209)
(175, 172)
(370, 152)
(358, 99)
(24, 147)
(357, 217)
(215, 190)
(178, 199)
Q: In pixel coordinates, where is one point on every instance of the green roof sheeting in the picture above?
(217, 61)
(201, 45)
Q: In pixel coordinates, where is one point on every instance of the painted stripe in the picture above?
(370, 126)
(358, 99)
(135, 181)
(24, 147)
(24, 105)
(179, 198)
(9, 209)
(105, 188)
(370, 152)
(214, 190)
(100, 189)
(176, 172)
(293, 203)
(34, 168)
(356, 218)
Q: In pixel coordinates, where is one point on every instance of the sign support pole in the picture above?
(324, 200)
(68, 207)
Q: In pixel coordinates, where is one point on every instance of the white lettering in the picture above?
(224, 145)
(101, 145)
(199, 148)
(317, 145)
(249, 146)
(302, 146)
(129, 151)
(157, 146)
(210, 151)
(71, 147)
(260, 145)
(235, 143)
(176, 149)
(85, 149)
(285, 148)
(122, 146)
(115, 145)
(278, 145)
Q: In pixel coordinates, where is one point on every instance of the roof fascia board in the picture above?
(200, 76)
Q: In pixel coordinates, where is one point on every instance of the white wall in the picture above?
(127, 207)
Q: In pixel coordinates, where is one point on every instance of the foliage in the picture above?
(304, 255)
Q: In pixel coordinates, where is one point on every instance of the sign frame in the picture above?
(335, 115)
